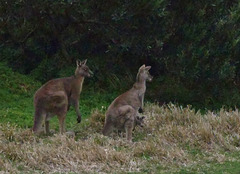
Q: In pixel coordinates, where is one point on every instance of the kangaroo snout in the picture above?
(90, 73)
(150, 79)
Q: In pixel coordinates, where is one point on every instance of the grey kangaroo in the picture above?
(138, 121)
(123, 111)
(56, 96)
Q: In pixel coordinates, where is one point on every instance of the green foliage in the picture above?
(45, 70)
(192, 46)
(15, 83)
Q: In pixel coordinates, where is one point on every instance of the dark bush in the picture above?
(192, 46)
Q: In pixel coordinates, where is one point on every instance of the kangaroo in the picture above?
(138, 121)
(123, 111)
(56, 96)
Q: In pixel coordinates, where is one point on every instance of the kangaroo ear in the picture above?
(147, 68)
(143, 66)
(84, 62)
(78, 63)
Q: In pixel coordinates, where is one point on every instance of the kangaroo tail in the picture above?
(37, 121)
(107, 127)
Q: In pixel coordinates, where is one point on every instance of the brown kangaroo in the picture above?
(56, 96)
(123, 111)
(139, 121)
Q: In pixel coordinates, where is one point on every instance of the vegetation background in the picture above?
(192, 46)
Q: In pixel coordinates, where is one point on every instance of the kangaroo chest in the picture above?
(77, 87)
(142, 90)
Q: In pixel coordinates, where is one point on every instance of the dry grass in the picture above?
(173, 137)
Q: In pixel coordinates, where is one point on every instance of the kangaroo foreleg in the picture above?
(141, 98)
(129, 114)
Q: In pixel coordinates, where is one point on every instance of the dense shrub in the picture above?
(193, 46)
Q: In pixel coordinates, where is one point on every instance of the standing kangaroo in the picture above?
(123, 111)
(56, 96)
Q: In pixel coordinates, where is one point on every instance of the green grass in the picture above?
(214, 167)
(16, 104)
(226, 167)
(168, 148)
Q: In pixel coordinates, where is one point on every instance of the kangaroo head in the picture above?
(82, 69)
(140, 121)
(143, 73)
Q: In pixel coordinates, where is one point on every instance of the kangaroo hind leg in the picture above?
(128, 113)
(61, 118)
(46, 126)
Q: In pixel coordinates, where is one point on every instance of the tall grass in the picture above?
(173, 137)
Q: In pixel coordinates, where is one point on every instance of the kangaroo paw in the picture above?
(140, 110)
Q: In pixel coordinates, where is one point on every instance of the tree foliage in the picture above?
(192, 46)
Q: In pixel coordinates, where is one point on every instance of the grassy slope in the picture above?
(16, 92)
(175, 140)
